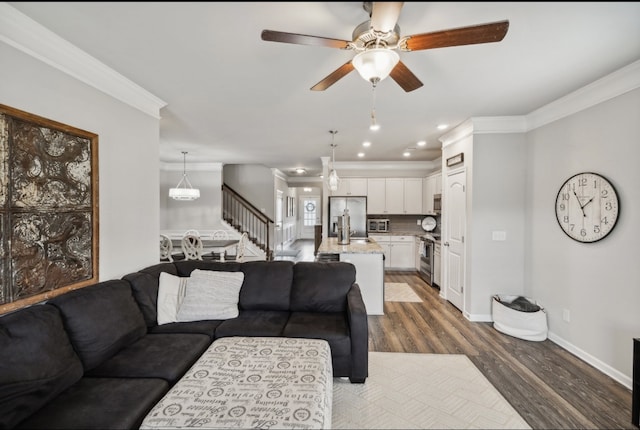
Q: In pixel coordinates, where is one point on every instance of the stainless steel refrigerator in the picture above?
(357, 215)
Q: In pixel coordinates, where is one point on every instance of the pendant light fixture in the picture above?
(333, 179)
(184, 190)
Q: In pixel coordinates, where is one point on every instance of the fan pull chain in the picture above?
(374, 126)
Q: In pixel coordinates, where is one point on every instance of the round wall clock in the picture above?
(587, 207)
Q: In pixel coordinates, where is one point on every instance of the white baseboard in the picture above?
(590, 359)
(583, 355)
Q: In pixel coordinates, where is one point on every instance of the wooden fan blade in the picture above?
(303, 39)
(405, 77)
(484, 33)
(334, 77)
(384, 15)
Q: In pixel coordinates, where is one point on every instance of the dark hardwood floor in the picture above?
(548, 386)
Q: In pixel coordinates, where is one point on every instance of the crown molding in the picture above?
(277, 173)
(191, 167)
(28, 36)
(613, 85)
(384, 165)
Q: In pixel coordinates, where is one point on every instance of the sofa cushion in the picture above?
(166, 356)
(211, 295)
(145, 284)
(171, 292)
(100, 403)
(332, 327)
(267, 284)
(100, 320)
(37, 362)
(207, 327)
(254, 323)
(321, 287)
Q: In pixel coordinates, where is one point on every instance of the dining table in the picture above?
(221, 246)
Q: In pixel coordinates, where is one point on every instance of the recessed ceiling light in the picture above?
(300, 170)
(366, 144)
(422, 143)
(406, 153)
(442, 126)
(307, 189)
(361, 154)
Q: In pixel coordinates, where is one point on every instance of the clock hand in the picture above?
(588, 201)
(579, 204)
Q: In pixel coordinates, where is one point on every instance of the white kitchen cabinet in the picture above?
(402, 252)
(383, 241)
(438, 184)
(376, 196)
(394, 196)
(428, 188)
(394, 190)
(437, 267)
(399, 251)
(413, 196)
(432, 185)
(351, 187)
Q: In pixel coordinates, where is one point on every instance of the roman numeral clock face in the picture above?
(587, 207)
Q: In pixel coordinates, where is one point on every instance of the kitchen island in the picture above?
(367, 255)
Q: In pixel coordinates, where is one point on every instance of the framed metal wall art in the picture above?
(48, 208)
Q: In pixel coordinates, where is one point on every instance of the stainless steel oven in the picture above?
(426, 259)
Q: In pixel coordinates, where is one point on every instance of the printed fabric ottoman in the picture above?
(251, 382)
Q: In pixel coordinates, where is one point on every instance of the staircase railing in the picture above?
(243, 216)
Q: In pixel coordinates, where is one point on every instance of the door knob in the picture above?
(446, 244)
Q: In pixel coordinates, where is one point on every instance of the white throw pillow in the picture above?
(171, 291)
(211, 295)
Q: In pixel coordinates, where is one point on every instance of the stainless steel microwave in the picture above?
(378, 225)
(437, 203)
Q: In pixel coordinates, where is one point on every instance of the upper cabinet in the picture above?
(394, 196)
(431, 185)
(351, 187)
(413, 196)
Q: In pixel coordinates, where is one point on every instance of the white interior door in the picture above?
(311, 215)
(455, 208)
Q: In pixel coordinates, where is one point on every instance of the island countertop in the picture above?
(330, 245)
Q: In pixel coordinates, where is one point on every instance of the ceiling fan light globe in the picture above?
(375, 64)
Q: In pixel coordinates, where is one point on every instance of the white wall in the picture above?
(203, 214)
(498, 203)
(599, 283)
(253, 182)
(127, 151)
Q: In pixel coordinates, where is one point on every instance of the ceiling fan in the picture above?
(377, 39)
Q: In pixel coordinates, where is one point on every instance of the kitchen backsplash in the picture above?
(408, 224)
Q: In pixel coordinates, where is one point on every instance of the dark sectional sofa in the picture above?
(96, 357)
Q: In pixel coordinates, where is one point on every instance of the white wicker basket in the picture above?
(523, 325)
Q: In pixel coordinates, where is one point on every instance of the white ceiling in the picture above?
(234, 98)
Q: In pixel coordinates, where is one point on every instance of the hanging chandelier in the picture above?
(333, 179)
(184, 190)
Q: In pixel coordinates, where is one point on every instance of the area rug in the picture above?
(399, 292)
(423, 391)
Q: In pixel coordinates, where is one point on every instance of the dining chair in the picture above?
(220, 235)
(192, 247)
(240, 248)
(191, 232)
(216, 235)
(166, 248)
